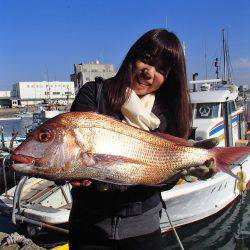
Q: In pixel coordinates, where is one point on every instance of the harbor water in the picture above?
(19, 125)
(228, 229)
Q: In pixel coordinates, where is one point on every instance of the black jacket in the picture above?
(119, 201)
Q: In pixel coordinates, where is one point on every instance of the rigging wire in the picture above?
(171, 223)
(172, 226)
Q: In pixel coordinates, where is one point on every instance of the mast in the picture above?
(205, 56)
(228, 129)
(224, 56)
(227, 77)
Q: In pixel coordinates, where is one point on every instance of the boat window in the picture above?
(233, 107)
(222, 110)
(207, 110)
(193, 107)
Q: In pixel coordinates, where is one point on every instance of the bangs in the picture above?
(155, 53)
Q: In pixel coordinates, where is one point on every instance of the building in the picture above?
(85, 72)
(5, 94)
(32, 93)
(6, 100)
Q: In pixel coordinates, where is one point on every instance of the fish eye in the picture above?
(43, 136)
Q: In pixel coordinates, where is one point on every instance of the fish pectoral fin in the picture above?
(88, 158)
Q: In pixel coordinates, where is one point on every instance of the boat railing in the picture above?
(205, 85)
(6, 163)
(17, 209)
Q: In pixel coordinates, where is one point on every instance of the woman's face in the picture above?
(146, 78)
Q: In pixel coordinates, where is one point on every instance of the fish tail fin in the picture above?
(224, 157)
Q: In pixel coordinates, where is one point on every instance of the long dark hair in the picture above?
(173, 96)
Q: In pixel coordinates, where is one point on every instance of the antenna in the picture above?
(166, 22)
(205, 56)
(224, 56)
(47, 74)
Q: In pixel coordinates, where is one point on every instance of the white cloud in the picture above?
(241, 63)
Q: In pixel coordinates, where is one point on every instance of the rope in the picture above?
(16, 238)
(175, 232)
(171, 223)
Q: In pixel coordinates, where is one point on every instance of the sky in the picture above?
(43, 39)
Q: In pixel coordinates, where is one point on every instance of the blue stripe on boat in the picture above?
(219, 128)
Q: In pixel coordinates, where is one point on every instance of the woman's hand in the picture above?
(208, 169)
(202, 172)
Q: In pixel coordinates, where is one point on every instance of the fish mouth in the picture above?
(23, 159)
(22, 163)
(22, 167)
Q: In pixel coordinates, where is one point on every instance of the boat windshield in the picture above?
(207, 110)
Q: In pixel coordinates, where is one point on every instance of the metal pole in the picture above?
(228, 124)
(206, 57)
(224, 56)
(2, 139)
(17, 197)
(65, 195)
(5, 178)
(41, 224)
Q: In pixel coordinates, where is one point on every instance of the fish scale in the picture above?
(139, 149)
(136, 148)
(84, 145)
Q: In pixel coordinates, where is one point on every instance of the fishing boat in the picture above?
(218, 111)
(45, 113)
(25, 115)
(215, 115)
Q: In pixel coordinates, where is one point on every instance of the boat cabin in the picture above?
(216, 114)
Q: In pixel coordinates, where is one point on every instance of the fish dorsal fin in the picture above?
(176, 140)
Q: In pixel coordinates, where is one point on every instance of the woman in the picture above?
(149, 92)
